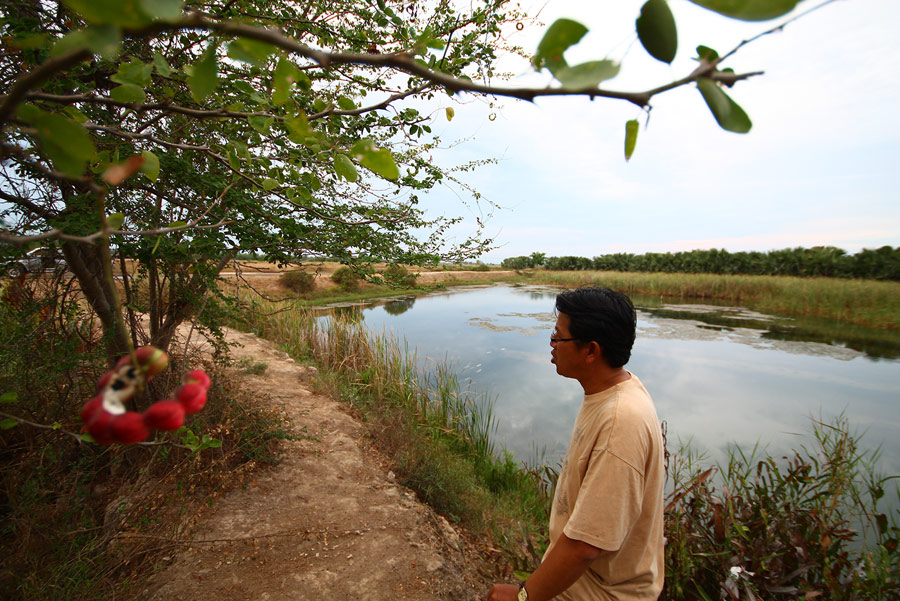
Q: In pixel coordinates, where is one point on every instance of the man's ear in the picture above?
(595, 352)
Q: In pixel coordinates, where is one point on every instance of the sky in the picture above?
(821, 165)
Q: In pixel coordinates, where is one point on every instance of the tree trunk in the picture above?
(86, 262)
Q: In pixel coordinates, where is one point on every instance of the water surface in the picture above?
(718, 375)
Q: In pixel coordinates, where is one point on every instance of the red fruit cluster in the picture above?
(109, 423)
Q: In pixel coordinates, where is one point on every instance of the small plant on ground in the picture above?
(251, 366)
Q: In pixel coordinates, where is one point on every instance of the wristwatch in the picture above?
(523, 594)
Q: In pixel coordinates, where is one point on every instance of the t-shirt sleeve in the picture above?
(609, 502)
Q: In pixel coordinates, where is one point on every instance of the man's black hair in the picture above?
(604, 316)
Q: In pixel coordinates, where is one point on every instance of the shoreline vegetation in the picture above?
(812, 524)
(871, 304)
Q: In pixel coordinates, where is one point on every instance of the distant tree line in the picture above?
(824, 261)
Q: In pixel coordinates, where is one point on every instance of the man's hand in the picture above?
(503, 592)
(567, 560)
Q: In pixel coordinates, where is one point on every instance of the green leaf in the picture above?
(75, 40)
(31, 42)
(164, 10)
(105, 40)
(124, 13)
(203, 80)
(270, 184)
(115, 221)
(250, 51)
(283, 80)
(178, 223)
(749, 10)
(381, 162)
(298, 128)
(8, 423)
(233, 159)
(631, 134)
(244, 86)
(8, 398)
(303, 81)
(243, 150)
(260, 123)
(656, 30)
(707, 54)
(161, 64)
(75, 114)
(586, 75)
(557, 39)
(346, 103)
(728, 114)
(128, 93)
(450, 113)
(311, 181)
(345, 168)
(134, 72)
(150, 167)
(378, 160)
(66, 143)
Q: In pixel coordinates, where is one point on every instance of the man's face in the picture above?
(567, 355)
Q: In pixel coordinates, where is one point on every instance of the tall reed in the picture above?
(815, 524)
(862, 302)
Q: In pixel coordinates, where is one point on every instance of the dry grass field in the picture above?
(264, 277)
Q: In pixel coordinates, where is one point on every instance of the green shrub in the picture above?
(301, 282)
(346, 279)
(398, 275)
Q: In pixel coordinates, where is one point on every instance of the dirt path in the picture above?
(328, 522)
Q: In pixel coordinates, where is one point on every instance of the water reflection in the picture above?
(399, 306)
(719, 375)
(874, 344)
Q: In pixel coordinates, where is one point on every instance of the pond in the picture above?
(718, 375)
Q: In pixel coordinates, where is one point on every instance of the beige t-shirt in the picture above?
(610, 495)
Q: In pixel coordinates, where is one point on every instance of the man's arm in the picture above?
(566, 562)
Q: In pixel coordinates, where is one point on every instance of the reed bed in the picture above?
(868, 303)
(818, 524)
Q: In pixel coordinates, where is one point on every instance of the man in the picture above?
(606, 523)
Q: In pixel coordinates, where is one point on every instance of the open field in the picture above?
(264, 277)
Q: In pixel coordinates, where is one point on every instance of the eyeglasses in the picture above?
(555, 340)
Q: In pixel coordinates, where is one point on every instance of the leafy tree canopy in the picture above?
(185, 133)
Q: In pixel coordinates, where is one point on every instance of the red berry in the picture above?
(90, 409)
(129, 428)
(192, 397)
(104, 381)
(198, 376)
(164, 415)
(150, 360)
(99, 427)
